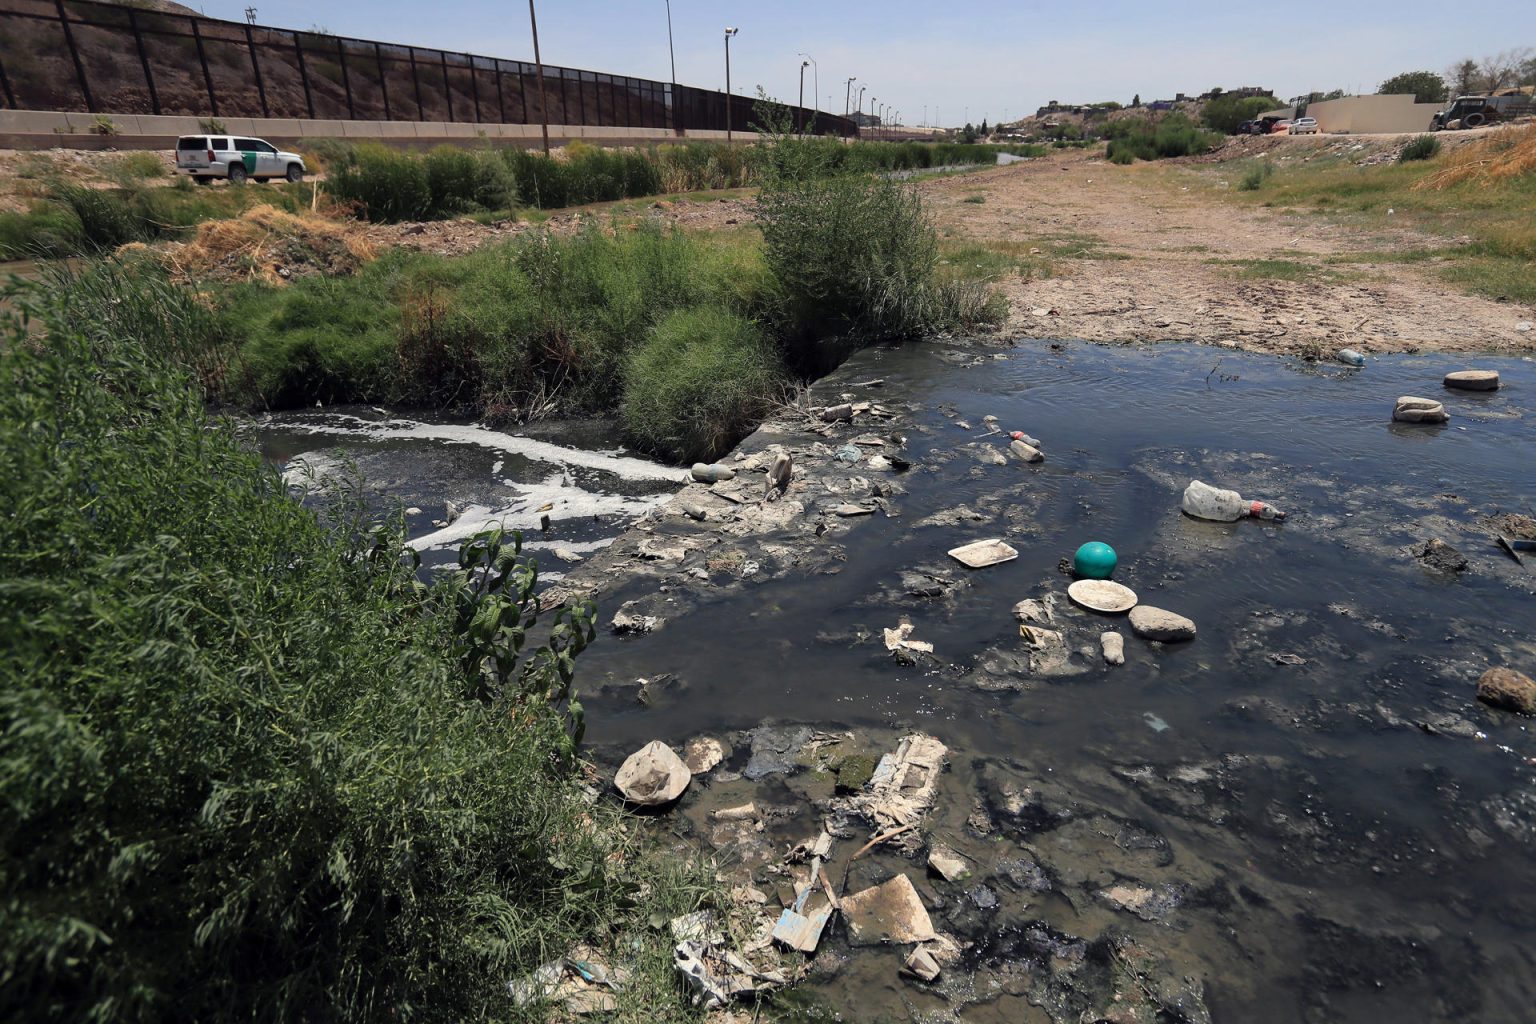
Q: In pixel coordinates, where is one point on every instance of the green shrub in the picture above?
(212, 125)
(700, 382)
(852, 258)
(1422, 147)
(1145, 139)
(253, 770)
(1256, 176)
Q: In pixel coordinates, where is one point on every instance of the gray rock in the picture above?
(774, 749)
(629, 619)
(1473, 380)
(1159, 624)
(834, 413)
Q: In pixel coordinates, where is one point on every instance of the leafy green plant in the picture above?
(701, 381)
(254, 768)
(130, 170)
(101, 124)
(1422, 147)
(212, 125)
(1173, 135)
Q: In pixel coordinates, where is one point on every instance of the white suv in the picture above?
(206, 157)
(1304, 126)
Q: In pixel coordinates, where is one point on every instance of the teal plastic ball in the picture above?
(1095, 561)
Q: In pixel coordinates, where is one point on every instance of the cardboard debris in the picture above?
(898, 643)
(922, 965)
(745, 812)
(905, 782)
(889, 912)
(798, 928)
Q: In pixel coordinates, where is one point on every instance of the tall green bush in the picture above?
(700, 382)
(1173, 135)
(254, 771)
(852, 258)
(386, 184)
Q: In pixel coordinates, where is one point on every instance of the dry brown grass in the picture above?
(1503, 155)
(269, 245)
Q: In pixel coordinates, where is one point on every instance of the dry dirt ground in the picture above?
(1136, 253)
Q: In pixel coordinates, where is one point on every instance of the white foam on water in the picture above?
(527, 508)
(623, 466)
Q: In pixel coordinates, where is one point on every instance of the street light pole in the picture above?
(538, 62)
(803, 65)
(671, 51)
(815, 76)
(728, 33)
(848, 95)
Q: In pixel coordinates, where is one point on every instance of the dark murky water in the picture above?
(1351, 836)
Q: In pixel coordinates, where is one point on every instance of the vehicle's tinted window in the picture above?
(218, 144)
(192, 142)
(247, 145)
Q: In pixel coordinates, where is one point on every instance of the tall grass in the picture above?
(253, 769)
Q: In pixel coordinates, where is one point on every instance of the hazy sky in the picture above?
(982, 57)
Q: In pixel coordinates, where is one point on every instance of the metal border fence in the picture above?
(81, 55)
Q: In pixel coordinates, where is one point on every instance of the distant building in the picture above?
(864, 120)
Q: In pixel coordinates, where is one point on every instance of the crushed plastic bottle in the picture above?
(1350, 357)
(1206, 502)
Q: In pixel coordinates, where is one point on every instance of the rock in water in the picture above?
(1113, 645)
(1159, 624)
(1473, 380)
(834, 413)
(1437, 554)
(1509, 690)
(653, 775)
(1419, 410)
(950, 866)
(706, 473)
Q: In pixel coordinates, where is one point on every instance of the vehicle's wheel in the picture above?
(237, 174)
(295, 172)
(1473, 120)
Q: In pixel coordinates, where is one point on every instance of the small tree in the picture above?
(1426, 86)
(1462, 77)
(984, 132)
(1225, 113)
(1136, 100)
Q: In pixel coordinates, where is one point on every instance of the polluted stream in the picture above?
(1301, 814)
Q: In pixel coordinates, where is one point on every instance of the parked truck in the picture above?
(1475, 111)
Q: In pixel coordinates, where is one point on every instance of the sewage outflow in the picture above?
(1332, 826)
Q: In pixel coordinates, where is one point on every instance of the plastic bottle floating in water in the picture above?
(1095, 561)
(1206, 502)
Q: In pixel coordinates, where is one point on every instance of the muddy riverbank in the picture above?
(1303, 814)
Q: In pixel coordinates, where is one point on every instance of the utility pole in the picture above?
(671, 51)
(538, 62)
(729, 31)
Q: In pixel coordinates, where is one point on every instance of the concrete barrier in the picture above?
(41, 129)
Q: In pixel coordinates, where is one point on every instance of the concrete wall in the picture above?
(1372, 115)
(40, 129)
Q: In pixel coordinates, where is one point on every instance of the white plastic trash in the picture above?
(1206, 502)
